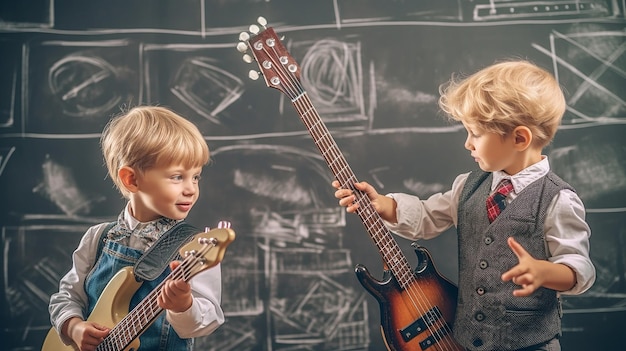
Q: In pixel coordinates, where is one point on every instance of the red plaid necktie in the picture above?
(496, 202)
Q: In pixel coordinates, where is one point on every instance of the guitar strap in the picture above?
(154, 261)
(158, 257)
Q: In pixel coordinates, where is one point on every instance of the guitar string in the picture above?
(295, 92)
(397, 262)
(127, 323)
(121, 333)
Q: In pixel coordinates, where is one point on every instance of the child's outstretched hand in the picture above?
(528, 273)
(347, 198)
(384, 205)
(175, 294)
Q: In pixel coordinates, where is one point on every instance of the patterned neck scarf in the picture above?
(148, 232)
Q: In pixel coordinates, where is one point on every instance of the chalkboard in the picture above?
(372, 70)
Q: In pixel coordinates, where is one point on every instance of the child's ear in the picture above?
(523, 137)
(128, 177)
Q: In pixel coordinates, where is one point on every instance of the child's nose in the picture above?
(468, 145)
(190, 187)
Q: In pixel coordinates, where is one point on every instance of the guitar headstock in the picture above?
(208, 247)
(278, 68)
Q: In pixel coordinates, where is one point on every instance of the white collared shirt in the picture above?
(566, 231)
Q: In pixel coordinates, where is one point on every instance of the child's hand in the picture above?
(347, 198)
(527, 273)
(175, 294)
(85, 334)
(385, 206)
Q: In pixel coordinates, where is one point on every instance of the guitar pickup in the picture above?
(421, 324)
(434, 337)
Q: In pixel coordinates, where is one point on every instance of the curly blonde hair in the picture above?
(149, 136)
(506, 95)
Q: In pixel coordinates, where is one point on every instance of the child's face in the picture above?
(169, 191)
(491, 151)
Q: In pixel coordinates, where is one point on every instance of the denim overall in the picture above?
(159, 335)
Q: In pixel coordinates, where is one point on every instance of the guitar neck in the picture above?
(140, 317)
(137, 320)
(281, 72)
(390, 251)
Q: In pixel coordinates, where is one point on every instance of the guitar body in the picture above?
(399, 312)
(111, 307)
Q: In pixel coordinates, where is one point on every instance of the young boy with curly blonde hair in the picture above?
(155, 158)
(520, 251)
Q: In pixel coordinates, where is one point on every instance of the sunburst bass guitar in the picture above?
(205, 250)
(416, 306)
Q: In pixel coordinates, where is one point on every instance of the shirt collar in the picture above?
(523, 178)
(151, 230)
(131, 222)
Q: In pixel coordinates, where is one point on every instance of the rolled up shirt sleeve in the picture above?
(205, 314)
(71, 299)
(426, 219)
(567, 237)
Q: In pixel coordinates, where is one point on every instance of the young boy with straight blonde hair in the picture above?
(523, 239)
(155, 158)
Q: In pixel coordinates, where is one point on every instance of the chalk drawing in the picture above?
(371, 67)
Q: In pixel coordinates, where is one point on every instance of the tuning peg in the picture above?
(244, 36)
(247, 58)
(254, 29)
(262, 21)
(254, 75)
(242, 47)
(223, 224)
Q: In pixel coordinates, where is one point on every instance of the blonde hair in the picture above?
(147, 136)
(506, 95)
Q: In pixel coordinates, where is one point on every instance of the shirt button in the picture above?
(488, 240)
(483, 264)
(479, 316)
(480, 291)
(477, 342)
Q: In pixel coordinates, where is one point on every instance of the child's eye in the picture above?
(474, 133)
(197, 178)
(177, 177)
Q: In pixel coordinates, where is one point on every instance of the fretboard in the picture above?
(134, 323)
(390, 251)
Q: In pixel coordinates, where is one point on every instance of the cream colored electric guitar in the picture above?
(203, 252)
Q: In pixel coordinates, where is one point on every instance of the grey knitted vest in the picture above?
(488, 316)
